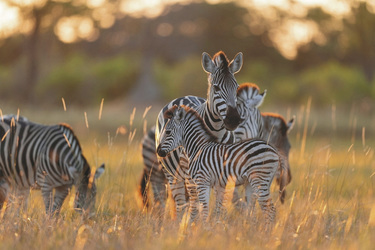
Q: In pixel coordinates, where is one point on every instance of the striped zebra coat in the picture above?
(45, 157)
(218, 111)
(266, 126)
(213, 164)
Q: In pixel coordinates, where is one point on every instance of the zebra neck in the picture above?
(195, 137)
(212, 121)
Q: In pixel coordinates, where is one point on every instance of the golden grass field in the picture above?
(330, 201)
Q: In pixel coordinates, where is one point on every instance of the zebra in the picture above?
(35, 156)
(219, 112)
(275, 132)
(212, 164)
(270, 127)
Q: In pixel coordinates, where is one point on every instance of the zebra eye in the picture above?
(216, 88)
(167, 132)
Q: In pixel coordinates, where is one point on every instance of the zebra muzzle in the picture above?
(160, 152)
(233, 119)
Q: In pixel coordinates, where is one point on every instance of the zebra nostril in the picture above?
(233, 119)
(161, 152)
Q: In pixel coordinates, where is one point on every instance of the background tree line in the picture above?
(153, 59)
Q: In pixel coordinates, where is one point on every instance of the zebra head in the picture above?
(86, 194)
(222, 87)
(170, 137)
(249, 100)
(276, 130)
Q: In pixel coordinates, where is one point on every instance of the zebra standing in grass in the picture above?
(219, 112)
(267, 126)
(46, 157)
(153, 172)
(212, 164)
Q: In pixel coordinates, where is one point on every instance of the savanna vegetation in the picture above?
(330, 201)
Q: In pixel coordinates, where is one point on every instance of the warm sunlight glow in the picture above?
(33, 3)
(72, 29)
(293, 34)
(9, 20)
(95, 3)
(150, 8)
(334, 7)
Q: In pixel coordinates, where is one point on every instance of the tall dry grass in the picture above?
(330, 201)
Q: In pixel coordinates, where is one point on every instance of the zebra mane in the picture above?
(68, 127)
(86, 171)
(168, 114)
(220, 59)
(192, 113)
(171, 112)
(248, 95)
(247, 85)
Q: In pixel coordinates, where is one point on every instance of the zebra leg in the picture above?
(60, 194)
(220, 201)
(178, 193)
(4, 191)
(22, 197)
(251, 198)
(265, 203)
(143, 187)
(159, 188)
(204, 200)
(193, 199)
(47, 198)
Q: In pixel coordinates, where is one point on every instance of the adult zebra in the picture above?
(212, 164)
(46, 157)
(270, 127)
(219, 112)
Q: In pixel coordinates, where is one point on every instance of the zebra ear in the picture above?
(290, 124)
(99, 171)
(168, 114)
(236, 64)
(207, 63)
(261, 98)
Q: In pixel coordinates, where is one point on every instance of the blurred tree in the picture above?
(351, 40)
(359, 34)
(98, 31)
(43, 16)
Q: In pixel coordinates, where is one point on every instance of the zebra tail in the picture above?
(143, 188)
(284, 179)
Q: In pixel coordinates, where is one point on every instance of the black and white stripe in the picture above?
(213, 164)
(266, 126)
(46, 157)
(219, 112)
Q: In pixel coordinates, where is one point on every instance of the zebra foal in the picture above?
(212, 164)
(46, 157)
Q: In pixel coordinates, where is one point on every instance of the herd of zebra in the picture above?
(197, 144)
